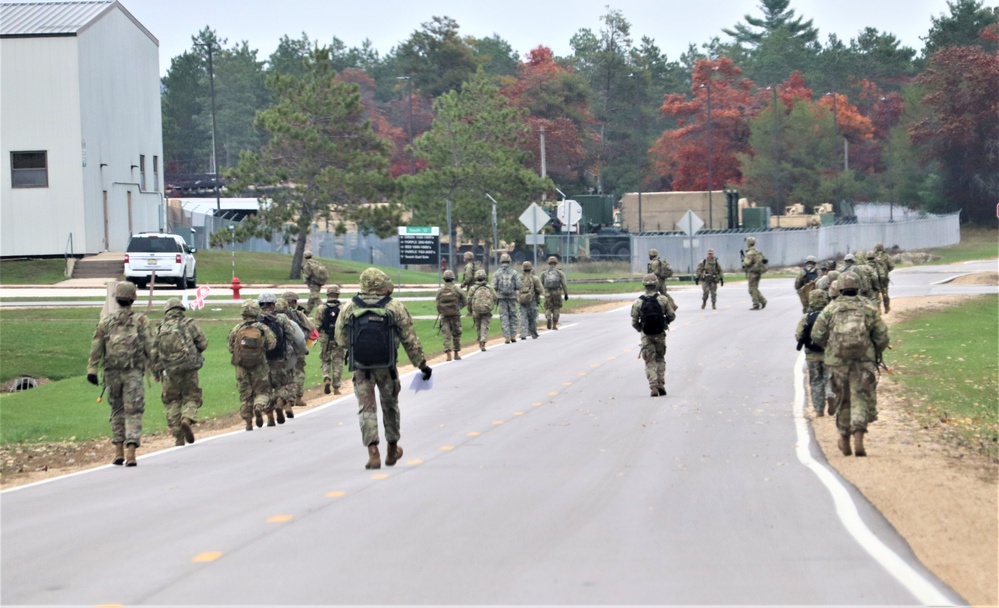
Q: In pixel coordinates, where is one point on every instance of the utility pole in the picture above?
(409, 90)
(210, 46)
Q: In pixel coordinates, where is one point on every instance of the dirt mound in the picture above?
(979, 278)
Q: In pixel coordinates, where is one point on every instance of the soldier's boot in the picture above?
(755, 307)
(662, 391)
(393, 455)
(704, 302)
(713, 307)
(482, 346)
(119, 454)
(858, 443)
(289, 413)
(548, 322)
(326, 386)
(130, 455)
(336, 391)
(270, 418)
(457, 355)
(279, 412)
(555, 322)
(249, 425)
(831, 406)
(887, 306)
(448, 353)
(506, 340)
(763, 304)
(300, 403)
(374, 458)
(844, 445)
(513, 338)
(178, 441)
(819, 413)
(185, 427)
(259, 419)
(655, 391)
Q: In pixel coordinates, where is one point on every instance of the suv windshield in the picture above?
(152, 244)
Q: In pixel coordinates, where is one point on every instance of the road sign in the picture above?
(690, 223)
(569, 212)
(534, 218)
(419, 244)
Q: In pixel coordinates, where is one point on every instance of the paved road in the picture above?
(534, 473)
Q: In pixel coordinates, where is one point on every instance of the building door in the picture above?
(106, 236)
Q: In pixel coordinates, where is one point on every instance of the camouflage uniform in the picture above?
(124, 367)
(554, 297)
(451, 321)
(864, 288)
(709, 275)
(280, 365)
(480, 320)
(661, 268)
(472, 266)
(507, 302)
(529, 297)
(882, 258)
(854, 380)
(331, 353)
(253, 383)
(375, 285)
(298, 316)
(654, 346)
(311, 276)
(754, 266)
(806, 276)
(818, 377)
(181, 394)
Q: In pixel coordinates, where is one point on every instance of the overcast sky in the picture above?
(525, 24)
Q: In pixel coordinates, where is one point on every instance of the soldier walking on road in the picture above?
(449, 301)
(853, 335)
(814, 356)
(651, 315)
(472, 266)
(507, 285)
(755, 265)
(481, 300)
(661, 268)
(315, 275)
(249, 342)
(372, 325)
(884, 260)
(529, 297)
(178, 344)
(330, 352)
(299, 317)
(280, 359)
(709, 275)
(553, 280)
(805, 281)
(122, 346)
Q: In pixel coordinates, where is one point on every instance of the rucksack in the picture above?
(810, 276)
(123, 344)
(506, 283)
(551, 279)
(371, 330)
(328, 324)
(849, 338)
(175, 347)
(526, 294)
(320, 273)
(651, 317)
(248, 347)
(447, 302)
(278, 352)
(806, 334)
(482, 300)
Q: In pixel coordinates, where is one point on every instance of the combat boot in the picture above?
(704, 303)
(249, 425)
(178, 441)
(844, 445)
(130, 455)
(831, 406)
(506, 340)
(326, 386)
(858, 444)
(289, 413)
(713, 307)
(279, 410)
(548, 322)
(393, 455)
(448, 353)
(185, 427)
(457, 356)
(763, 304)
(655, 392)
(662, 391)
(482, 346)
(513, 339)
(270, 418)
(374, 458)
(259, 419)
(119, 454)
(336, 391)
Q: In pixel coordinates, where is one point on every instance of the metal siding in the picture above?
(48, 18)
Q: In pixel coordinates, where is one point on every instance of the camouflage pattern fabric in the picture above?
(509, 319)
(529, 311)
(310, 275)
(875, 327)
(554, 299)
(253, 383)
(887, 266)
(662, 270)
(818, 383)
(127, 398)
(181, 398)
(468, 275)
(752, 263)
(653, 347)
(331, 354)
(282, 370)
(481, 324)
(451, 333)
(709, 274)
(299, 316)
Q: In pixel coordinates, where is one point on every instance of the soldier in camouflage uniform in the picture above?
(709, 275)
(376, 285)
(481, 308)
(281, 365)
(449, 301)
(755, 265)
(506, 275)
(252, 382)
(853, 335)
(805, 281)
(817, 375)
(312, 274)
(882, 258)
(178, 372)
(300, 317)
(472, 266)
(661, 268)
(529, 297)
(122, 346)
(553, 280)
(851, 264)
(330, 352)
(653, 345)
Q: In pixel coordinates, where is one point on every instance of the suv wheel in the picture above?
(193, 281)
(182, 279)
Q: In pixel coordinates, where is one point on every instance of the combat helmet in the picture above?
(281, 305)
(173, 303)
(505, 258)
(123, 290)
(552, 260)
(333, 290)
(872, 255)
(480, 276)
(251, 309)
(290, 297)
(650, 280)
(879, 247)
(653, 254)
(266, 299)
(307, 254)
(448, 276)
(849, 280)
(528, 266)
(833, 276)
(375, 281)
(818, 299)
(810, 259)
(750, 240)
(849, 258)
(469, 256)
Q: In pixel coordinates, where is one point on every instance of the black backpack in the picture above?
(371, 333)
(651, 317)
(328, 324)
(806, 335)
(278, 352)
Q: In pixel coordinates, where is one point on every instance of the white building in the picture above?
(80, 128)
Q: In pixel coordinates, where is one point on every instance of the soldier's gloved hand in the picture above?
(566, 297)
(723, 282)
(92, 378)
(427, 371)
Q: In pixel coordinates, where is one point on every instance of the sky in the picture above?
(525, 24)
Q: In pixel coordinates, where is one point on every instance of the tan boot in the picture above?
(270, 418)
(457, 356)
(655, 392)
(119, 454)
(249, 425)
(548, 322)
(326, 386)
(448, 353)
(393, 455)
(844, 445)
(259, 419)
(374, 458)
(179, 441)
(830, 406)
(279, 411)
(506, 340)
(858, 444)
(336, 391)
(185, 427)
(482, 346)
(703, 304)
(130, 455)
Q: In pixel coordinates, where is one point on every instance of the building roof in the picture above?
(40, 19)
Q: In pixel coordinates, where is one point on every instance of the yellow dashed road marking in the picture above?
(336, 494)
(567, 384)
(279, 519)
(552, 393)
(594, 365)
(380, 476)
(498, 421)
(414, 461)
(536, 404)
(518, 413)
(446, 448)
(474, 434)
(208, 556)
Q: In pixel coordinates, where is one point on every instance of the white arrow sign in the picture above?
(534, 218)
(690, 223)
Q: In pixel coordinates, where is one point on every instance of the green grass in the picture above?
(32, 272)
(948, 361)
(976, 244)
(274, 268)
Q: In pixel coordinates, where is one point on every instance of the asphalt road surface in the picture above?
(534, 473)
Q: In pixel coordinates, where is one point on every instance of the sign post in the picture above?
(534, 218)
(690, 224)
(569, 212)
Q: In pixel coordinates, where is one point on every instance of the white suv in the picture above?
(165, 254)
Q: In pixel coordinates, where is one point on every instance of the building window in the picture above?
(29, 169)
(156, 174)
(142, 172)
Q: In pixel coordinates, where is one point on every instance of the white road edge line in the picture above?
(924, 591)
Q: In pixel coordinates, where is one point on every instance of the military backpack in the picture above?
(278, 352)
(123, 344)
(447, 302)
(526, 294)
(175, 348)
(506, 282)
(248, 347)
(320, 274)
(371, 331)
(551, 279)
(651, 316)
(806, 334)
(328, 323)
(849, 337)
(482, 300)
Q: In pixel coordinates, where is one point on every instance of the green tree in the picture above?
(186, 141)
(240, 92)
(776, 16)
(962, 27)
(290, 56)
(475, 147)
(495, 55)
(320, 156)
(436, 57)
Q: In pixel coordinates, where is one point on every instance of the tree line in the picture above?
(773, 110)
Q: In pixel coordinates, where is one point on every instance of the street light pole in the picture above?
(409, 90)
(495, 234)
(211, 83)
(710, 176)
(778, 194)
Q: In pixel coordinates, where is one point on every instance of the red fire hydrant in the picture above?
(236, 286)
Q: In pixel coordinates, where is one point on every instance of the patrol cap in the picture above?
(448, 275)
(123, 290)
(552, 260)
(290, 296)
(333, 290)
(650, 279)
(173, 303)
(266, 299)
